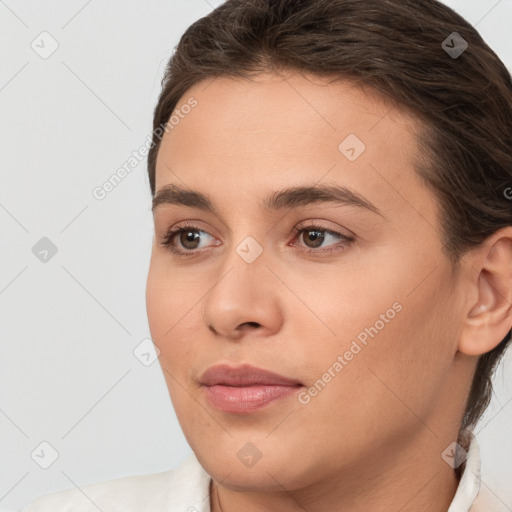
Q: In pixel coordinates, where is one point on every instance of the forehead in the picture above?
(245, 136)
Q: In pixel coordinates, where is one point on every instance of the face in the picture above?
(319, 260)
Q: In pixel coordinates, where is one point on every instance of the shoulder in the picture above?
(185, 487)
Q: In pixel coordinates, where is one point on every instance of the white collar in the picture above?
(469, 484)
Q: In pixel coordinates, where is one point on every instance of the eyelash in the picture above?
(299, 229)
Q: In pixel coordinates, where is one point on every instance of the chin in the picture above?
(271, 472)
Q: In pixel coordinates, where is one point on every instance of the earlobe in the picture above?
(489, 318)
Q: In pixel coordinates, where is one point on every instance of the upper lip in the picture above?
(244, 375)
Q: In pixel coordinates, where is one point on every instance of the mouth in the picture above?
(245, 389)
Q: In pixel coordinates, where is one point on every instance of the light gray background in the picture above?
(69, 326)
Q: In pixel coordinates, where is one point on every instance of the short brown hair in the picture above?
(464, 101)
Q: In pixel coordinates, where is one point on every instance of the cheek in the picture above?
(350, 308)
(157, 304)
(173, 305)
(167, 317)
(163, 312)
(391, 341)
(169, 300)
(410, 359)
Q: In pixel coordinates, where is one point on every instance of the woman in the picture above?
(330, 284)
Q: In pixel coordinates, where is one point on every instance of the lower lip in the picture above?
(246, 399)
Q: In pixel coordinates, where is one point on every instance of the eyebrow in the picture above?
(292, 197)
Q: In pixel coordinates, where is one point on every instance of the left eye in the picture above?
(316, 235)
(190, 238)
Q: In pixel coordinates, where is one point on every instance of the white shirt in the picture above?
(186, 489)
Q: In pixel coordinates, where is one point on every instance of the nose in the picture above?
(245, 300)
(240, 330)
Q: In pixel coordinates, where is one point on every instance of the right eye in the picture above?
(188, 237)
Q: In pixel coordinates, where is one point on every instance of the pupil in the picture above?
(189, 237)
(317, 238)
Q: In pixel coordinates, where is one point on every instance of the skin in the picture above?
(372, 438)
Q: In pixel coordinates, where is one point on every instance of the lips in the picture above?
(245, 375)
(245, 389)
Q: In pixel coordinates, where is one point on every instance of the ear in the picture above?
(488, 314)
